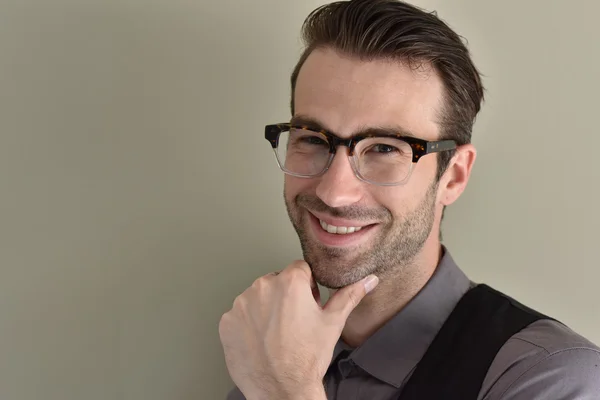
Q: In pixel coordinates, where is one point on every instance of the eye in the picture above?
(384, 148)
(315, 140)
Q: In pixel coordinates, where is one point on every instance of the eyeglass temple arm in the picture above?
(441, 145)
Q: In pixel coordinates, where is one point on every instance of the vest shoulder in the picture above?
(544, 335)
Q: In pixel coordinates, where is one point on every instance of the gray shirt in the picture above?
(546, 360)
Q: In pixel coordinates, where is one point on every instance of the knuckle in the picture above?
(239, 302)
(293, 276)
(258, 283)
(300, 265)
(298, 269)
(223, 324)
(261, 284)
(295, 272)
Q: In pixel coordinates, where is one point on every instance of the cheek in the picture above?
(400, 200)
(292, 186)
(426, 169)
(396, 199)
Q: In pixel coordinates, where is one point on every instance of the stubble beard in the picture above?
(391, 252)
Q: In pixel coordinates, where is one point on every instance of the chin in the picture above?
(333, 268)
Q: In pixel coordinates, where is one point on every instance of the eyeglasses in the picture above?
(385, 160)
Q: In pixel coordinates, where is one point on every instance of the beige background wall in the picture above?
(138, 196)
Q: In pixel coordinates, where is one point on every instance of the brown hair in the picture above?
(392, 29)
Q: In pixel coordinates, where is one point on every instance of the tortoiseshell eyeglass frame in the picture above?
(420, 147)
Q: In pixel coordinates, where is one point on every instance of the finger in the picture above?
(298, 269)
(346, 299)
(303, 270)
(315, 289)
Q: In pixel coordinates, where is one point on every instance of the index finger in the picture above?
(315, 289)
(301, 268)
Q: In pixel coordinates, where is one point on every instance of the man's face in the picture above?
(346, 96)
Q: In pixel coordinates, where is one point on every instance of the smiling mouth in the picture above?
(339, 230)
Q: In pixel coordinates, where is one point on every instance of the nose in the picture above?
(339, 186)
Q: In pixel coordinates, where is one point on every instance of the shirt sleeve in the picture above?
(569, 374)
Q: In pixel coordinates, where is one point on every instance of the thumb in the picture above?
(346, 299)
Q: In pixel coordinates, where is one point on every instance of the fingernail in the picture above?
(371, 282)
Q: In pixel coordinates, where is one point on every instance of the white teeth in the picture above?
(340, 230)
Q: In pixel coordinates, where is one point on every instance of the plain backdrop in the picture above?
(138, 196)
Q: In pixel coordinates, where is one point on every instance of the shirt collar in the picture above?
(392, 352)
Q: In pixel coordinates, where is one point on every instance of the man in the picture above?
(383, 103)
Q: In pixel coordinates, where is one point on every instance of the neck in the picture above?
(395, 290)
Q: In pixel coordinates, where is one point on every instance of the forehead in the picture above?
(348, 95)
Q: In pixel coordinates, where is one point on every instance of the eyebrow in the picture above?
(313, 123)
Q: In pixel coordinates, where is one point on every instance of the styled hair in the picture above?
(393, 30)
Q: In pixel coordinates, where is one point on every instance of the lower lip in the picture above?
(335, 240)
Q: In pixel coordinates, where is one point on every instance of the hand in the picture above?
(278, 339)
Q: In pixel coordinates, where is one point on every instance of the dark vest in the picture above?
(456, 363)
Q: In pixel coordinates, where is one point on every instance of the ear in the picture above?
(455, 179)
